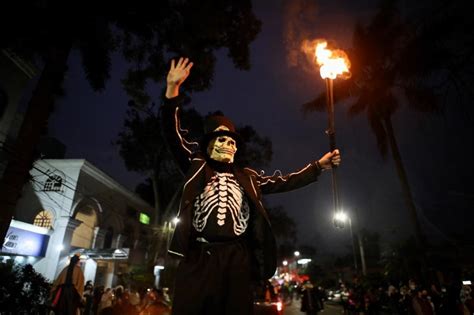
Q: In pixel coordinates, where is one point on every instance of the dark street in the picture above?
(329, 309)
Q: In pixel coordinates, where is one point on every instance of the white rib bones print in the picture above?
(224, 195)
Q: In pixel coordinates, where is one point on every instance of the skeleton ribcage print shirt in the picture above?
(221, 211)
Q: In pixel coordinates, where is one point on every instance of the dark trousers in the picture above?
(214, 279)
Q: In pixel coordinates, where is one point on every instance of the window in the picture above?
(44, 219)
(53, 183)
(108, 238)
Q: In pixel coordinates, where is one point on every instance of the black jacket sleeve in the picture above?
(280, 183)
(181, 149)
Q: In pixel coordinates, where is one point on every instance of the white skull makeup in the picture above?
(222, 148)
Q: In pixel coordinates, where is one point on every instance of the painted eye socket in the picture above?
(222, 139)
(232, 142)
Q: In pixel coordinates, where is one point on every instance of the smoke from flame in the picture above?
(299, 20)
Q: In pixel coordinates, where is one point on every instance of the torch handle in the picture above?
(331, 132)
(335, 191)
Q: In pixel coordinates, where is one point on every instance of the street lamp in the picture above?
(297, 253)
(340, 217)
(304, 261)
(339, 220)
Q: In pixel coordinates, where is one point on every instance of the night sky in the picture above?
(269, 98)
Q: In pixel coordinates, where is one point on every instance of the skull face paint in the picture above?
(222, 148)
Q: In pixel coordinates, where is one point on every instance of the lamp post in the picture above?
(342, 217)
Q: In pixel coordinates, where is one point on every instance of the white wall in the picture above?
(90, 268)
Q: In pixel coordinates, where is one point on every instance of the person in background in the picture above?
(135, 298)
(88, 298)
(71, 283)
(321, 296)
(421, 303)
(310, 299)
(98, 292)
(106, 301)
(166, 296)
(470, 302)
(155, 304)
(122, 304)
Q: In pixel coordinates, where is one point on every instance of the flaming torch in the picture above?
(333, 64)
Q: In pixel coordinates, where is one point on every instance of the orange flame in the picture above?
(333, 63)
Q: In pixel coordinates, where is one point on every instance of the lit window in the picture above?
(44, 219)
(53, 183)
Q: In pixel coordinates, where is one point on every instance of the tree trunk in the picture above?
(34, 121)
(404, 181)
(156, 195)
(160, 223)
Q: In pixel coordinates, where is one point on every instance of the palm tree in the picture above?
(380, 83)
(400, 261)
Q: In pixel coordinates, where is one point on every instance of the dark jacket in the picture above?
(197, 173)
(311, 300)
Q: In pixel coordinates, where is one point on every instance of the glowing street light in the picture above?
(304, 261)
(285, 263)
(340, 218)
(297, 253)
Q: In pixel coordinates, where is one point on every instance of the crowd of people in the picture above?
(407, 299)
(70, 296)
(103, 301)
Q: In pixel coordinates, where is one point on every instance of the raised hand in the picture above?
(177, 75)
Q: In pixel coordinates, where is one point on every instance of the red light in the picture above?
(279, 306)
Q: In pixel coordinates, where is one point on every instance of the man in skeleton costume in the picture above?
(223, 237)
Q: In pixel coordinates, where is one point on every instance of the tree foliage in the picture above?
(371, 245)
(256, 151)
(402, 261)
(44, 29)
(22, 289)
(192, 28)
(145, 32)
(283, 226)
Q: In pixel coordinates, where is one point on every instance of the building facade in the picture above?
(71, 206)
